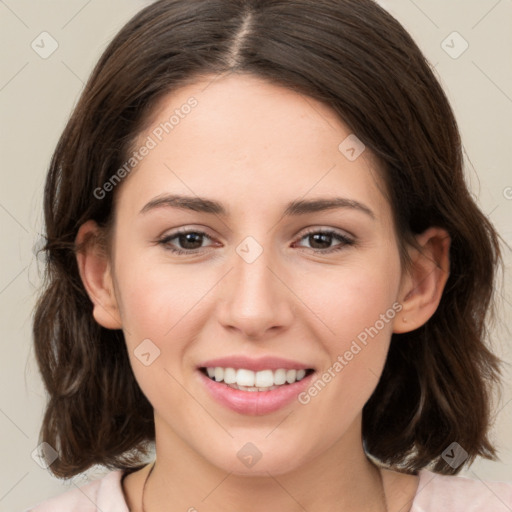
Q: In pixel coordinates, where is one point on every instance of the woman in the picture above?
(264, 258)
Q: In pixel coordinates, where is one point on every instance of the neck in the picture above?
(340, 478)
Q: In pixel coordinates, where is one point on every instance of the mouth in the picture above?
(243, 379)
(254, 385)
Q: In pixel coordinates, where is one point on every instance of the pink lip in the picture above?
(258, 364)
(254, 403)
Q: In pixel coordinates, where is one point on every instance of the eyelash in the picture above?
(345, 241)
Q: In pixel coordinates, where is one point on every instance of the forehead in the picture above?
(251, 144)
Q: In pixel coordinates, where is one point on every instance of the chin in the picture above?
(259, 458)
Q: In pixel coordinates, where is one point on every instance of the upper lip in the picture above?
(254, 364)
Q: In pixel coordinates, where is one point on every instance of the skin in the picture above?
(255, 147)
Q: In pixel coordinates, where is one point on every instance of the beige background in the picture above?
(36, 98)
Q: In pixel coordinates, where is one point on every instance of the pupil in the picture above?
(318, 237)
(188, 238)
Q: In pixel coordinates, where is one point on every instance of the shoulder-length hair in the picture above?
(436, 386)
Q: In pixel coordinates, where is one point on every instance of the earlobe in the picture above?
(423, 285)
(95, 272)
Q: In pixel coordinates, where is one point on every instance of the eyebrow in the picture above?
(294, 208)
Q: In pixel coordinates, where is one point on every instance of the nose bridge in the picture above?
(252, 274)
(257, 299)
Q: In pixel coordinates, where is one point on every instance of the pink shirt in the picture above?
(436, 493)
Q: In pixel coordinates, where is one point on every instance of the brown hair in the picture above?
(355, 57)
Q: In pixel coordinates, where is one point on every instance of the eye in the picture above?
(190, 240)
(319, 239)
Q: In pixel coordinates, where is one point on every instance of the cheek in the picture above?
(158, 324)
(358, 305)
(348, 299)
(155, 296)
(165, 303)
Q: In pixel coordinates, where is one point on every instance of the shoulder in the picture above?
(105, 494)
(460, 494)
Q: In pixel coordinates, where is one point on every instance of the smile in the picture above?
(243, 399)
(248, 380)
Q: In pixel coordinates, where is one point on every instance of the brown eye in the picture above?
(188, 242)
(320, 241)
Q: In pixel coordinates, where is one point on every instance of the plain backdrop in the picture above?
(37, 94)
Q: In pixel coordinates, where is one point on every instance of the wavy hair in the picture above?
(352, 55)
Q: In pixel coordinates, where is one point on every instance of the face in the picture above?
(266, 287)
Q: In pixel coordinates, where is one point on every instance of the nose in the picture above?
(256, 298)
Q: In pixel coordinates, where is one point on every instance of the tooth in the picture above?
(219, 373)
(245, 377)
(290, 376)
(279, 377)
(264, 379)
(229, 375)
(246, 388)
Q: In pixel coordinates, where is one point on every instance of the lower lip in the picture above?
(255, 403)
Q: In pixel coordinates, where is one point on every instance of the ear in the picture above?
(422, 287)
(96, 275)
